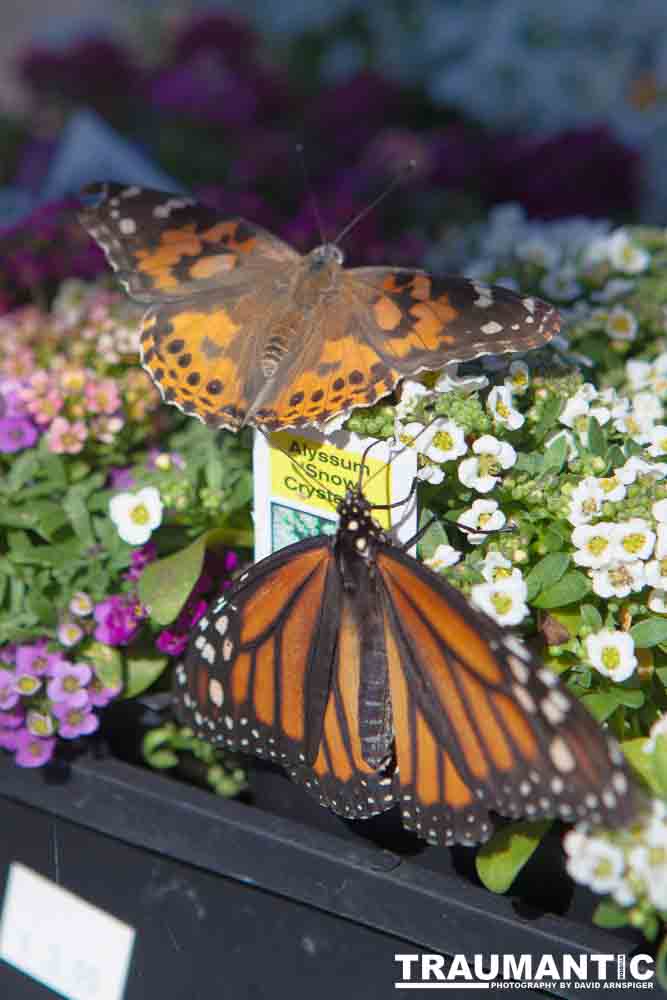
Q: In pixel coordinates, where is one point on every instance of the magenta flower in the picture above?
(99, 695)
(33, 751)
(45, 408)
(68, 685)
(9, 739)
(66, 437)
(117, 620)
(75, 721)
(171, 643)
(141, 557)
(16, 434)
(12, 719)
(120, 479)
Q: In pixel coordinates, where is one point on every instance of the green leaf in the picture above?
(143, 667)
(547, 572)
(597, 442)
(74, 505)
(590, 616)
(106, 661)
(436, 535)
(24, 468)
(609, 914)
(550, 415)
(649, 632)
(601, 704)
(660, 764)
(570, 588)
(165, 585)
(555, 455)
(630, 697)
(499, 861)
(661, 963)
(640, 761)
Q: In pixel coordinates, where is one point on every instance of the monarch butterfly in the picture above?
(373, 682)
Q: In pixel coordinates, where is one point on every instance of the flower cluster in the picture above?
(68, 377)
(45, 695)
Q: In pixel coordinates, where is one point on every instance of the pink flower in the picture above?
(117, 620)
(13, 719)
(9, 739)
(68, 684)
(33, 751)
(43, 409)
(141, 557)
(69, 633)
(35, 658)
(9, 696)
(65, 437)
(99, 695)
(102, 396)
(75, 721)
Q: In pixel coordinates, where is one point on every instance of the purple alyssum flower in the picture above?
(26, 684)
(75, 721)
(40, 723)
(117, 621)
(12, 719)
(68, 685)
(16, 434)
(33, 751)
(35, 658)
(99, 695)
(9, 696)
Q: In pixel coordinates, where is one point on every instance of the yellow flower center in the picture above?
(620, 577)
(140, 514)
(597, 545)
(611, 658)
(502, 410)
(608, 485)
(634, 543)
(502, 603)
(443, 440)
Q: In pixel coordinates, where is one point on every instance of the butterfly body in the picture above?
(373, 682)
(241, 329)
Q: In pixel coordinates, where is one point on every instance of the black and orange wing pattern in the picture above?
(242, 329)
(480, 724)
(372, 680)
(274, 670)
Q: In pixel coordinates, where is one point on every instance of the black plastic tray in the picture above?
(237, 900)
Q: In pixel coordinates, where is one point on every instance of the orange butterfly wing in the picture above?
(479, 724)
(274, 670)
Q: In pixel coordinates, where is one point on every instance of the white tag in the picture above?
(300, 476)
(61, 941)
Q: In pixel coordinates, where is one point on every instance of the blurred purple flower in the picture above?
(206, 87)
(9, 739)
(34, 163)
(222, 33)
(68, 684)
(351, 112)
(12, 719)
(16, 434)
(75, 721)
(583, 171)
(33, 751)
(218, 566)
(117, 620)
(140, 559)
(8, 694)
(94, 71)
(121, 478)
(99, 695)
(36, 659)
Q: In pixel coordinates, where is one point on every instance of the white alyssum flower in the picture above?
(626, 256)
(518, 377)
(412, 392)
(586, 501)
(634, 539)
(657, 602)
(612, 654)
(443, 441)
(659, 511)
(537, 249)
(659, 728)
(647, 406)
(595, 544)
(497, 568)
(658, 445)
(492, 456)
(614, 490)
(649, 863)
(578, 410)
(444, 556)
(593, 861)
(635, 425)
(614, 289)
(449, 381)
(499, 404)
(619, 579)
(635, 467)
(621, 324)
(504, 600)
(485, 516)
(656, 574)
(561, 284)
(136, 515)
(638, 373)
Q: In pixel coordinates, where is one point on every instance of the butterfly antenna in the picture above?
(398, 179)
(309, 188)
(302, 473)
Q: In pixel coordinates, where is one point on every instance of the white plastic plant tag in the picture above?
(62, 941)
(300, 476)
